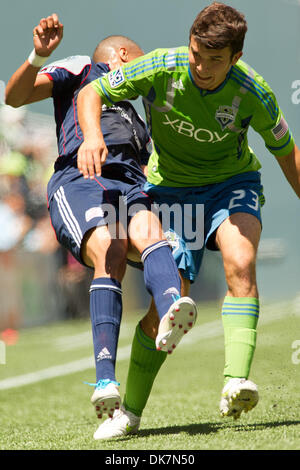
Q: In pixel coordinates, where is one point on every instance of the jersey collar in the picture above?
(210, 92)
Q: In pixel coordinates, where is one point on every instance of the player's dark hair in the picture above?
(219, 26)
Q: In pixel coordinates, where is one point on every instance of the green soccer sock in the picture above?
(145, 362)
(239, 316)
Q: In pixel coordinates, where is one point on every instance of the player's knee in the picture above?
(105, 254)
(240, 271)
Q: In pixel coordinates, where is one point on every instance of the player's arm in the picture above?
(269, 122)
(111, 88)
(290, 166)
(93, 152)
(25, 85)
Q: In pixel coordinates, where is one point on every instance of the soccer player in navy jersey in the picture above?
(87, 214)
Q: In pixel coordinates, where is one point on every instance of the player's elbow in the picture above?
(12, 100)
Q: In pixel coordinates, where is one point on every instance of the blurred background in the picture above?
(39, 281)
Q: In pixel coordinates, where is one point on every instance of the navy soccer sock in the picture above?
(161, 276)
(106, 314)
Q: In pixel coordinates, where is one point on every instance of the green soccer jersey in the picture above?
(200, 136)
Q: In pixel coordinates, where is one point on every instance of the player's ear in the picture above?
(123, 53)
(236, 57)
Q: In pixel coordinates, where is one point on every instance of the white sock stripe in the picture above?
(65, 219)
(105, 286)
(149, 250)
(71, 213)
(68, 216)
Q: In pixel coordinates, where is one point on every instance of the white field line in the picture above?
(57, 371)
(71, 342)
(84, 339)
(205, 331)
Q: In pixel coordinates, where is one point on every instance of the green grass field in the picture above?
(53, 411)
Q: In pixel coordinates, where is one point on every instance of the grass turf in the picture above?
(182, 411)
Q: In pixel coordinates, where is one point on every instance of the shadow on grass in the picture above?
(209, 428)
(192, 429)
(260, 426)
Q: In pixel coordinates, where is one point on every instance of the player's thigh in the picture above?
(103, 249)
(76, 211)
(237, 238)
(144, 230)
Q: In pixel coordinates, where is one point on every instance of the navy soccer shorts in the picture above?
(82, 204)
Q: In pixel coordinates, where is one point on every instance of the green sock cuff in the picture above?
(143, 339)
(241, 300)
(240, 312)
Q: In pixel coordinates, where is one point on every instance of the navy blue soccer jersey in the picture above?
(121, 124)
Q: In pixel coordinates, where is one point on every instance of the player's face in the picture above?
(209, 67)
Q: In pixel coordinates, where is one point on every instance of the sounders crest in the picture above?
(225, 116)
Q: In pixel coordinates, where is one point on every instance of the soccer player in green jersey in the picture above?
(200, 101)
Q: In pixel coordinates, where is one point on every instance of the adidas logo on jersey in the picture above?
(104, 354)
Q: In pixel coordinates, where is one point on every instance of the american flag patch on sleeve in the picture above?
(280, 129)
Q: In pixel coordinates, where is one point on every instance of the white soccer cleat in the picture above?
(106, 397)
(123, 423)
(179, 319)
(238, 395)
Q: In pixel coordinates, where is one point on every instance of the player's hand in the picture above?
(47, 35)
(91, 155)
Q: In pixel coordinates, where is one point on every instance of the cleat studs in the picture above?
(190, 324)
(177, 309)
(164, 341)
(191, 314)
(97, 408)
(169, 351)
(172, 316)
(179, 326)
(173, 324)
(185, 332)
(173, 346)
(158, 348)
(102, 403)
(99, 416)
